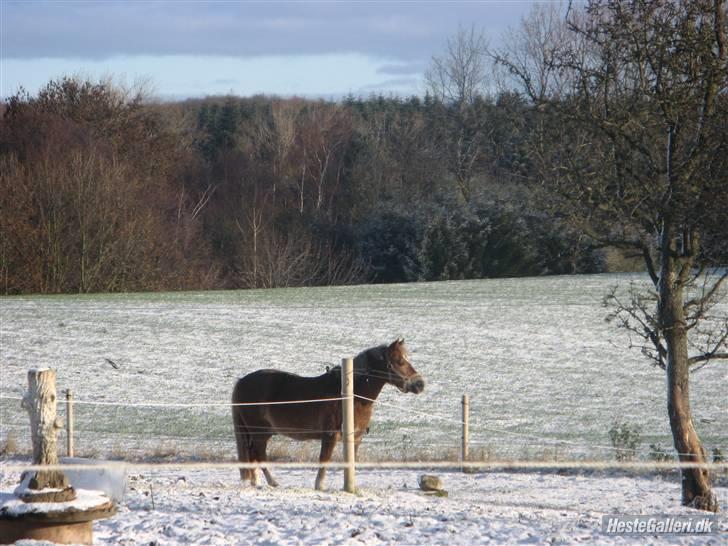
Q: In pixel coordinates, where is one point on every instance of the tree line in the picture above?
(105, 190)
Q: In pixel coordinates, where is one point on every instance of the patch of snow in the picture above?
(212, 507)
(11, 505)
(25, 484)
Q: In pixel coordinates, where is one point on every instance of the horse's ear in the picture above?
(396, 344)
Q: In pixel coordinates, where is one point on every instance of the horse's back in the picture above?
(256, 386)
(276, 385)
(298, 419)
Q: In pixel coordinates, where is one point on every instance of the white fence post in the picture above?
(69, 423)
(347, 423)
(466, 430)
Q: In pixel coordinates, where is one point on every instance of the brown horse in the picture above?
(254, 425)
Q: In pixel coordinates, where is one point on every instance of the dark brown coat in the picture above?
(320, 420)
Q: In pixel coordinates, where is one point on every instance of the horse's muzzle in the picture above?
(415, 385)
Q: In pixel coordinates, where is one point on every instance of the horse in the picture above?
(319, 420)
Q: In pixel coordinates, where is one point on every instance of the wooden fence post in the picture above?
(40, 402)
(347, 423)
(466, 430)
(69, 423)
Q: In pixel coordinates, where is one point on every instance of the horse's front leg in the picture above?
(269, 477)
(357, 442)
(328, 442)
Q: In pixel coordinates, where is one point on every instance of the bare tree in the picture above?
(272, 135)
(460, 74)
(458, 80)
(252, 231)
(323, 132)
(639, 163)
(647, 172)
(295, 259)
(528, 58)
(528, 62)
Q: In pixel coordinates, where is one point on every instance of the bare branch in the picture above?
(707, 357)
(202, 201)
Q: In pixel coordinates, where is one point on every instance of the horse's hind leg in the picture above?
(242, 440)
(260, 446)
(269, 477)
(328, 442)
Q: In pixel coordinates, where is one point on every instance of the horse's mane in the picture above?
(361, 361)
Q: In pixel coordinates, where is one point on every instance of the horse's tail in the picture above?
(242, 439)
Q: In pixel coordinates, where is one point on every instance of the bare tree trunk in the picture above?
(696, 482)
(303, 182)
(255, 220)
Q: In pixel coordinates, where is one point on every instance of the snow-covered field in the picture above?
(546, 375)
(173, 507)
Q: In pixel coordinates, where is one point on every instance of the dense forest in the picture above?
(104, 189)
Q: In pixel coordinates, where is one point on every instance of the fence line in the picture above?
(545, 439)
(227, 436)
(444, 465)
(409, 410)
(459, 422)
(185, 404)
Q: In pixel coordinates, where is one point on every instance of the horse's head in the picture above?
(399, 370)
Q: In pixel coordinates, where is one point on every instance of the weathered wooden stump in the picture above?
(44, 506)
(68, 522)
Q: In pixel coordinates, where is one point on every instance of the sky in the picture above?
(199, 48)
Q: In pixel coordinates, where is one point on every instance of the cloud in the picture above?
(196, 75)
(393, 84)
(416, 67)
(189, 48)
(101, 30)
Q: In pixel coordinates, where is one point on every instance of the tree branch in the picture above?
(707, 357)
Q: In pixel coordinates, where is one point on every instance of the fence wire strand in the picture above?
(473, 424)
(445, 465)
(185, 404)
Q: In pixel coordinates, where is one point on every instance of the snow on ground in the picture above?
(542, 368)
(170, 507)
(545, 374)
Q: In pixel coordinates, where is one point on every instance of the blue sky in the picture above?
(195, 48)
